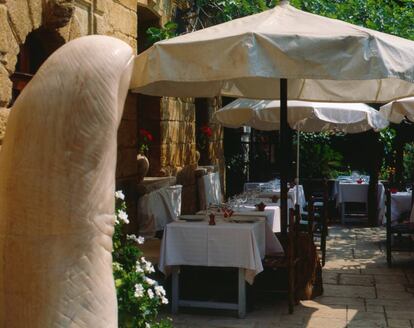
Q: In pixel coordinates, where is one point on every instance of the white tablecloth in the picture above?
(291, 194)
(358, 193)
(209, 190)
(238, 245)
(400, 203)
(271, 213)
(157, 208)
(272, 216)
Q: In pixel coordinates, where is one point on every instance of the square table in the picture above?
(352, 192)
(237, 245)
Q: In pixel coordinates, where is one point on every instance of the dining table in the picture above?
(349, 191)
(237, 242)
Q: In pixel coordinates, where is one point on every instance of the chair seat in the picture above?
(318, 204)
(405, 227)
(305, 215)
(276, 262)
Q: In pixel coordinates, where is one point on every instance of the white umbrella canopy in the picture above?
(304, 116)
(283, 53)
(323, 59)
(398, 110)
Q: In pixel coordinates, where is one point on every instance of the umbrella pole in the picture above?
(297, 167)
(284, 165)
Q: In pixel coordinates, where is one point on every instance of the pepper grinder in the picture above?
(212, 219)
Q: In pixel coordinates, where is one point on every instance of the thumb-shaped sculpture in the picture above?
(57, 184)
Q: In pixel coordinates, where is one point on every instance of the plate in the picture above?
(243, 219)
(192, 217)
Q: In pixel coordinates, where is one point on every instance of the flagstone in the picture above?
(358, 280)
(350, 291)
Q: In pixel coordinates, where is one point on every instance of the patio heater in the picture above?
(245, 140)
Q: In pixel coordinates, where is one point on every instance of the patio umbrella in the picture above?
(303, 116)
(323, 59)
(398, 110)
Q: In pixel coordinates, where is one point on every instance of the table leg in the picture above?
(242, 294)
(175, 289)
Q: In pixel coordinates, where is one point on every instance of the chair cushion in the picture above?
(405, 227)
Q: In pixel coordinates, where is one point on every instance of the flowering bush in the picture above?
(139, 296)
(144, 141)
(204, 135)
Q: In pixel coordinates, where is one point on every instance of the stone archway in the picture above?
(17, 20)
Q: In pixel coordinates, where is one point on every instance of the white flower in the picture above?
(139, 240)
(148, 267)
(116, 266)
(139, 290)
(150, 293)
(150, 281)
(159, 291)
(147, 325)
(164, 300)
(123, 216)
(119, 194)
(138, 267)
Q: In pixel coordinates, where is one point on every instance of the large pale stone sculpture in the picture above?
(57, 183)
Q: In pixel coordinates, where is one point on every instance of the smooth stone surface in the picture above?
(57, 185)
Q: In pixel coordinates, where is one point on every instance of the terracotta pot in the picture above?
(143, 166)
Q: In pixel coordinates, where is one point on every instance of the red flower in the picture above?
(206, 130)
(146, 134)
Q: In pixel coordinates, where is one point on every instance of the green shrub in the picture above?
(139, 297)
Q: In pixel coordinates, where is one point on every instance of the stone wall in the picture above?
(172, 120)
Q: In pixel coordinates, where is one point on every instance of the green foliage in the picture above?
(317, 158)
(166, 32)
(389, 16)
(139, 297)
(408, 162)
(387, 138)
(218, 11)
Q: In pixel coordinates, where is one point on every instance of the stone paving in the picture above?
(359, 291)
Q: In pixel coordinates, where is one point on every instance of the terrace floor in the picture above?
(359, 291)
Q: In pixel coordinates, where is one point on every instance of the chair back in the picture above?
(209, 190)
(293, 236)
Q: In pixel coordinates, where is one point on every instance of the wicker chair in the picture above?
(396, 231)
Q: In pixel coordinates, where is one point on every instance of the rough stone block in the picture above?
(101, 26)
(5, 87)
(131, 4)
(20, 18)
(127, 163)
(9, 47)
(127, 134)
(126, 38)
(101, 5)
(177, 132)
(123, 20)
(4, 115)
(36, 12)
